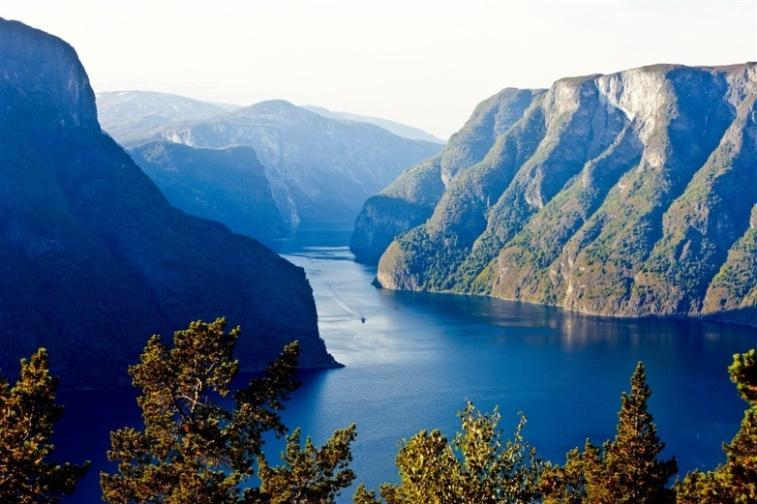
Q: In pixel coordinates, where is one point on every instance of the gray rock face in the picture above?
(320, 169)
(94, 259)
(626, 194)
(226, 185)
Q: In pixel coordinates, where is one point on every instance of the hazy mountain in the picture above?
(319, 169)
(625, 194)
(398, 129)
(131, 116)
(228, 185)
(94, 258)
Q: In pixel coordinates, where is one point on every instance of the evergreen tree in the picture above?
(27, 417)
(632, 471)
(479, 466)
(195, 447)
(624, 470)
(736, 480)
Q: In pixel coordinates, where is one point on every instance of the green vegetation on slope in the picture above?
(418, 189)
(619, 194)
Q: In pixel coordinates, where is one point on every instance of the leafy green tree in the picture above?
(27, 417)
(309, 474)
(480, 466)
(196, 447)
(736, 480)
(626, 469)
(567, 484)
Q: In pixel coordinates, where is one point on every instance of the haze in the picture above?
(425, 63)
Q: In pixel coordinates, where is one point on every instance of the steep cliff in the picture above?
(626, 194)
(227, 185)
(410, 199)
(94, 259)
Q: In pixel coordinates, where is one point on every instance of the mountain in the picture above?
(628, 194)
(410, 199)
(130, 116)
(94, 257)
(228, 185)
(398, 129)
(319, 169)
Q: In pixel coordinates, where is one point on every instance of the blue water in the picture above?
(418, 357)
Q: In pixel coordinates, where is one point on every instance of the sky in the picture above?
(424, 63)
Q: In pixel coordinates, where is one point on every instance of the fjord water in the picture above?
(412, 360)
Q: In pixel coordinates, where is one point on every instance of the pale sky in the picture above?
(424, 63)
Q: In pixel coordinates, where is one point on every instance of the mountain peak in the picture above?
(273, 107)
(44, 72)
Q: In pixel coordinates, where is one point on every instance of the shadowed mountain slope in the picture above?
(94, 257)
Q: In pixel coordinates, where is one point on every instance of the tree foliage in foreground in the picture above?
(734, 482)
(197, 446)
(480, 465)
(27, 417)
(626, 469)
(201, 446)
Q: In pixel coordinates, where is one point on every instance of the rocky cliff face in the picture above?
(94, 259)
(626, 194)
(410, 199)
(226, 185)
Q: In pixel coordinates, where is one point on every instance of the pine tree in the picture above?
(27, 417)
(736, 480)
(624, 470)
(196, 448)
(632, 470)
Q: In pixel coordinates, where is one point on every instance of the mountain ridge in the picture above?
(399, 129)
(606, 197)
(319, 169)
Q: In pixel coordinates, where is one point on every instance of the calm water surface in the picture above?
(417, 358)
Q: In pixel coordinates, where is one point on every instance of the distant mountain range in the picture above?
(95, 260)
(628, 194)
(132, 116)
(319, 169)
(398, 129)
